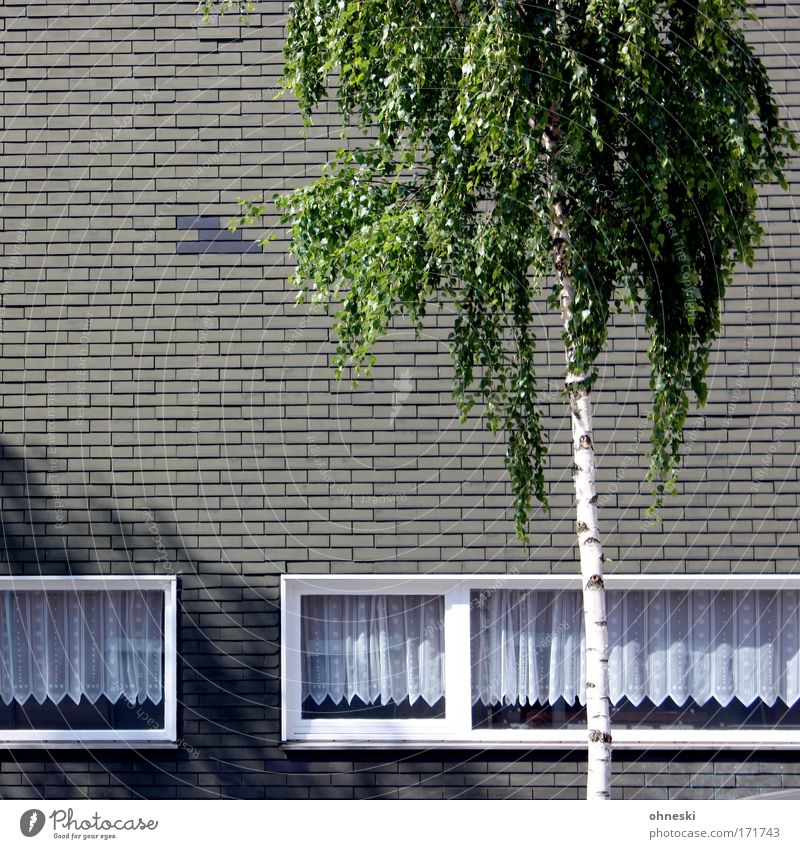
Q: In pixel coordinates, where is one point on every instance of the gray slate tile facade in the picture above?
(167, 409)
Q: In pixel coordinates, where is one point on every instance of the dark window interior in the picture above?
(668, 714)
(356, 709)
(66, 715)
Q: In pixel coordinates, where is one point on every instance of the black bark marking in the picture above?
(596, 736)
(580, 527)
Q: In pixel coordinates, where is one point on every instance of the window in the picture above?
(86, 660)
(706, 661)
(372, 656)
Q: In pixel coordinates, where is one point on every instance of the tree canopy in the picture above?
(666, 125)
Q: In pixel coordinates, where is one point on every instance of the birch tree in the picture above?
(606, 150)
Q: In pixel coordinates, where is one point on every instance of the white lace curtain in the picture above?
(378, 648)
(527, 647)
(89, 643)
(678, 644)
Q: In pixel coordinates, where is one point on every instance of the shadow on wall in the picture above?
(49, 527)
(228, 710)
(52, 527)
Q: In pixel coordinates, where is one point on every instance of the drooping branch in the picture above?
(667, 123)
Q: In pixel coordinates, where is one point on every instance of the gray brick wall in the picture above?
(158, 394)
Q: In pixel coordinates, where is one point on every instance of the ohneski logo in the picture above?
(31, 822)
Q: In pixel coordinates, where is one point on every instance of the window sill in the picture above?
(631, 743)
(39, 745)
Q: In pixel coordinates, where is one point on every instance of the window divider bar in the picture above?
(170, 661)
(457, 662)
(291, 668)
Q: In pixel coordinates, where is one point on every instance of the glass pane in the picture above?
(372, 656)
(677, 659)
(86, 659)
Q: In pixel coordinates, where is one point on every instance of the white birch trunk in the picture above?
(598, 780)
(598, 783)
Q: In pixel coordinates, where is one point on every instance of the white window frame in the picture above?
(108, 737)
(455, 729)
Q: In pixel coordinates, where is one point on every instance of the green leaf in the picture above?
(661, 125)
